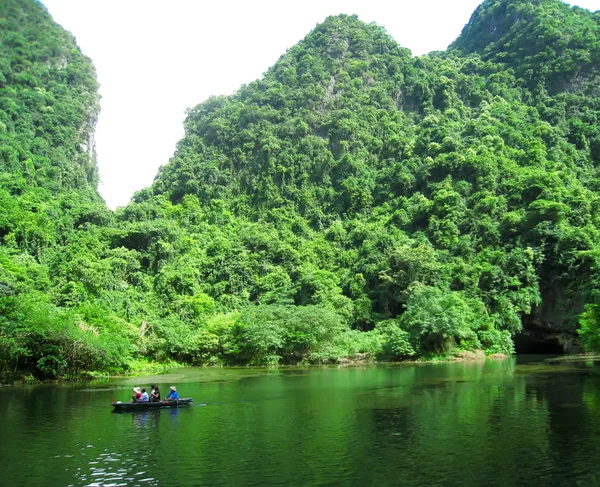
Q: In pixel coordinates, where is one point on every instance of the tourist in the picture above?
(144, 397)
(173, 394)
(155, 394)
(137, 394)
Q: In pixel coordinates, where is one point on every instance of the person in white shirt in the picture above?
(144, 397)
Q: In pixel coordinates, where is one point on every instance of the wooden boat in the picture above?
(143, 406)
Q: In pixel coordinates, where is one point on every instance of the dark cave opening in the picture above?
(541, 345)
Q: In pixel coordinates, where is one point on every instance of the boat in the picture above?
(143, 406)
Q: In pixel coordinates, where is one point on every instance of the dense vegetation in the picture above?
(355, 201)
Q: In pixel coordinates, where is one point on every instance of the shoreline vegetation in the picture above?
(461, 356)
(355, 201)
(149, 369)
(145, 368)
(153, 369)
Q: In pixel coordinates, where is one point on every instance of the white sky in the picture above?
(156, 58)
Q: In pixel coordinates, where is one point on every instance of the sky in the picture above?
(154, 59)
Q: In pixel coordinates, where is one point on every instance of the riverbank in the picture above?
(142, 367)
(138, 368)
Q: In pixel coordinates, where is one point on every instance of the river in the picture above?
(519, 421)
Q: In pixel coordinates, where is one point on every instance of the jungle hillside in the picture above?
(355, 203)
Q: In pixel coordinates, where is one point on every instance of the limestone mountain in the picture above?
(311, 134)
(354, 200)
(49, 103)
(459, 151)
(540, 41)
(49, 203)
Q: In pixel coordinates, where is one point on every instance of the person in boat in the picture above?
(137, 394)
(144, 397)
(155, 394)
(172, 394)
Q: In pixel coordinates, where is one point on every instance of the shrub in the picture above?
(270, 333)
(365, 342)
(496, 341)
(589, 330)
(438, 321)
(396, 343)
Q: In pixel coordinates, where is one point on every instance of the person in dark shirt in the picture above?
(173, 393)
(155, 394)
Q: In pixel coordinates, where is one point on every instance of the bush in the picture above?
(395, 341)
(52, 343)
(439, 321)
(364, 342)
(496, 341)
(589, 330)
(274, 333)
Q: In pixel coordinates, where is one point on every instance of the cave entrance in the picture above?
(528, 344)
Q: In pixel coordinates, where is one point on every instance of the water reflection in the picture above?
(140, 419)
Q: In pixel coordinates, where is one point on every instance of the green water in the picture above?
(505, 423)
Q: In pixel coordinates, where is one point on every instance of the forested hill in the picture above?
(49, 204)
(461, 172)
(49, 103)
(545, 42)
(48, 108)
(354, 201)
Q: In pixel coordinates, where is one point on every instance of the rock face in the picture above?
(551, 328)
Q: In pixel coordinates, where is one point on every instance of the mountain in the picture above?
(540, 41)
(49, 101)
(302, 135)
(49, 203)
(462, 154)
(353, 202)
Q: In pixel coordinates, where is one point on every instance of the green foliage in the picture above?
(496, 341)
(51, 342)
(396, 341)
(358, 344)
(438, 321)
(547, 41)
(270, 334)
(48, 103)
(353, 202)
(590, 328)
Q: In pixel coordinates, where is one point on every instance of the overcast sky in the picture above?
(156, 58)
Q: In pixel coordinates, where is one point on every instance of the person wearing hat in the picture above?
(137, 394)
(173, 394)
